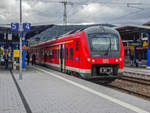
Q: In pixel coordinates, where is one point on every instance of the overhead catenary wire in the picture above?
(136, 5)
(133, 13)
(129, 5)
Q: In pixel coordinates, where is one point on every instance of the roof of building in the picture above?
(132, 28)
(58, 30)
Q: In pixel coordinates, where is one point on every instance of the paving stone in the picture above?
(10, 101)
(47, 94)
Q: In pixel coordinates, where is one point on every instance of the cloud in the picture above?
(96, 13)
(106, 11)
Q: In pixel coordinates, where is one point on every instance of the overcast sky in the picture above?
(82, 12)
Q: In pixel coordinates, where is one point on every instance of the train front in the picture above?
(106, 52)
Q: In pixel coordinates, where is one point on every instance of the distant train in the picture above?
(94, 52)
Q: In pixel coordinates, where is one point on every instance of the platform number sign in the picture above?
(15, 27)
(26, 27)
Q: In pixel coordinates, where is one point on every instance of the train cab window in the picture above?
(53, 53)
(77, 45)
(71, 53)
(66, 53)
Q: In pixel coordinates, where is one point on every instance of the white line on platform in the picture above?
(117, 101)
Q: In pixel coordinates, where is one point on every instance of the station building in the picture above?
(9, 41)
(136, 41)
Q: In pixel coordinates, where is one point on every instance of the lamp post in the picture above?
(20, 33)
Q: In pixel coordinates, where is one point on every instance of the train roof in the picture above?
(88, 30)
(100, 29)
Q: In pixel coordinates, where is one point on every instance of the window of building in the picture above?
(71, 53)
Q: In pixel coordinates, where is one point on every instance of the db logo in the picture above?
(105, 61)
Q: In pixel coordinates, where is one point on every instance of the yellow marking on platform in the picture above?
(39, 73)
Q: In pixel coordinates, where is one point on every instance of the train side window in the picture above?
(71, 53)
(66, 53)
(49, 53)
(53, 53)
(58, 53)
(77, 45)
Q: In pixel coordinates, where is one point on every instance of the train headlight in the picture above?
(116, 60)
(93, 60)
(89, 59)
(120, 59)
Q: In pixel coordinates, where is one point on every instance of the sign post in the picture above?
(26, 28)
(148, 53)
(21, 27)
(24, 54)
(20, 58)
(14, 27)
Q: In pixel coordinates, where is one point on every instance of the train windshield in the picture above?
(103, 42)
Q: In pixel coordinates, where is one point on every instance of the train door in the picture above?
(61, 57)
(77, 53)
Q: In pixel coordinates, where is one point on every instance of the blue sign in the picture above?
(77, 58)
(15, 27)
(26, 27)
(148, 57)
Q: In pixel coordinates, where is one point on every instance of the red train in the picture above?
(95, 52)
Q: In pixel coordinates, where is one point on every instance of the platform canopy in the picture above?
(132, 32)
(136, 33)
(5, 29)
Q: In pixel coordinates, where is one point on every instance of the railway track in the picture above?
(140, 75)
(136, 80)
(132, 85)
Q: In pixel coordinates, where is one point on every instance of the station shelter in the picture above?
(136, 41)
(10, 42)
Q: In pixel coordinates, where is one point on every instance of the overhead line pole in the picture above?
(65, 13)
(20, 33)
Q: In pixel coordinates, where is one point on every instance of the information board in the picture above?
(16, 53)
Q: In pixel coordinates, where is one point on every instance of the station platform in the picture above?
(47, 91)
(10, 101)
(137, 70)
(141, 73)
